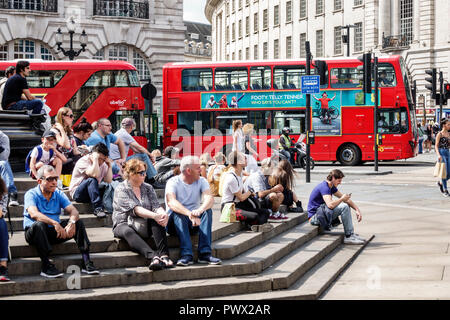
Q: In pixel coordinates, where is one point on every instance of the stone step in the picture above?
(250, 263)
(316, 281)
(17, 211)
(89, 220)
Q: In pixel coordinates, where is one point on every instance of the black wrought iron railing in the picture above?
(33, 5)
(396, 42)
(122, 8)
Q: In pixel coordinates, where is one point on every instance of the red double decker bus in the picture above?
(93, 89)
(200, 101)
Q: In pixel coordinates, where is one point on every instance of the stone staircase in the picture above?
(292, 261)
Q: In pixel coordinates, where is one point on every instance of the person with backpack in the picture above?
(214, 173)
(247, 206)
(4, 244)
(45, 154)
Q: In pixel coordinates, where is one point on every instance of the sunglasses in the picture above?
(50, 179)
(142, 173)
(69, 115)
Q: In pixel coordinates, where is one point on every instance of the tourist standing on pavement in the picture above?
(5, 169)
(322, 209)
(429, 139)
(187, 214)
(4, 238)
(250, 148)
(238, 136)
(141, 153)
(17, 85)
(43, 227)
(421, 137)
(133, 198)
(442, 151)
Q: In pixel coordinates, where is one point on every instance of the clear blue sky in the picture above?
(194, 10)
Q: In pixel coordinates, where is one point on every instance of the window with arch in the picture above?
(25, 49)
(125, 53)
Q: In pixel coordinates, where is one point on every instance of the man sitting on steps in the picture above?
(323, 210)
(43, 227)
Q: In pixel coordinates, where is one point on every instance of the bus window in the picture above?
(206, 119)
(185, 121)
(393, 121)
(260, 78)
(288, 77)
(386, 75)
(231, 79)
(292, 119)
(345, 78)
(45, 78)
(260, 120)
(196, 79)
(121, 79)
(133, 78)
(223, 121)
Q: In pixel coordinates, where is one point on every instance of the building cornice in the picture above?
(210, 7)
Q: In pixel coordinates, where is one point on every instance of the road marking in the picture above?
(402, 206)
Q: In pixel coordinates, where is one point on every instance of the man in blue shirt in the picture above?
(103, 134)
(43, 227)
(321, 201)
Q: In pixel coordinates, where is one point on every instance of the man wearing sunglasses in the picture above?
(43, 226)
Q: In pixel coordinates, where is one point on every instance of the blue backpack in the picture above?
(39, 156)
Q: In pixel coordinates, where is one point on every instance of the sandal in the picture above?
(156, 264)
(167, 262)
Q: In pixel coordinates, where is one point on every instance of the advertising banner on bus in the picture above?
(326, 106)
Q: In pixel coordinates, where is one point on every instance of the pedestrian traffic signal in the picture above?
(432, 81)
(366, 68)
(322, 71)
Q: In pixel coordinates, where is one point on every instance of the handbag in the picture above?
(228, 213)
(138, 224)
(440, 170)
(213, 184)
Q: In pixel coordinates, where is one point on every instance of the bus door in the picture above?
(393, 125)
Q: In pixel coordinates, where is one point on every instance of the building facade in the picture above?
(197, 42)
(146, 33)
(419, 30)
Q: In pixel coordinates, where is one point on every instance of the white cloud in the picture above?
(194, 10)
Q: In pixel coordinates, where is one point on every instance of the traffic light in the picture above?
(446, 91)
(432, 81)
(322, 71)
(366, 59)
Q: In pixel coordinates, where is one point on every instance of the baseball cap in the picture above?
(49, 133)
(127, 122)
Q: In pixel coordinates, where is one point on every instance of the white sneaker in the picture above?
(359, 237)
(353, 240)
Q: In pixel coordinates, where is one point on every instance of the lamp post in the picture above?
(59, 39)
(346, 37)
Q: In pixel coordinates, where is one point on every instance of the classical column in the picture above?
(416, 20)
(395, 17)
(384, 19)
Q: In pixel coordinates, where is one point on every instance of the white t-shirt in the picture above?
(189, 195)
(127, 140)
(217, 171)
(45, 159)
(232, 184)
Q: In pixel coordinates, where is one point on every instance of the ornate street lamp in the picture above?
(59, 39)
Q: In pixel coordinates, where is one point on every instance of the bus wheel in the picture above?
(349, 155)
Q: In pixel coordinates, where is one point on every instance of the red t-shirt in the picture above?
(223, 103)
(324, 102)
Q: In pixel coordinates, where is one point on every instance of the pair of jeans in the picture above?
(89, 192)
(445, 154)
(4, 238)
(181, 225)
(43, 236)
(344, 211)
(7, 176)
(421, 145)
(151, 171)
(35, 105)
(137, 244)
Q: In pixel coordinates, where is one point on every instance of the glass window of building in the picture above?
(319, 6)
(247, 25)
(357, 2)
(288, 47)
(118, 52)
(255, 52)
(406, 21)
(337, 40)
(276, 15)
(233, 5)
(358, 41)
(255, 23)
(276, 49)
(247, 53)
(141, 66)
(240, 28)
(319, 43)
(233, 32)
(24, 49)
(46, 54)
(4, 52)
(337, 5)
(99, 55)
(227, 35)
(288, 11)
(240, 55)
(303, 9)
(302, 45)
(265, 51)
(265, 19)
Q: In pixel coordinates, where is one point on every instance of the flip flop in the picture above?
(167, 262)
(156, 264)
